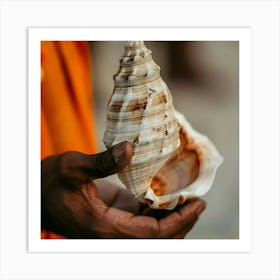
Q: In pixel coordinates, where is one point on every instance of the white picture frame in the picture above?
(257, 258)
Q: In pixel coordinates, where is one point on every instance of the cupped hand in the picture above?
(76, 204)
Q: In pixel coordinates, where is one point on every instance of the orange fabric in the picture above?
(45, 234)
(66, 101)
(66, 98)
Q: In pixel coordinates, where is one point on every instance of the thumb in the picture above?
(110, 161)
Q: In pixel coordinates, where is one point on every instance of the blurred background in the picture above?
(203, 77)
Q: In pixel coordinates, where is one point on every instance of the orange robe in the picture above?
(66, 101)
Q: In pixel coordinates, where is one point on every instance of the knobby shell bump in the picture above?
(171, 162)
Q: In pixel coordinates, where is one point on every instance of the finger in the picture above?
(181, 219)
(91, 196)
(188, 227)
(155, 213)
(128, 225)
(182, 234)
(111, 161)
(79, 168)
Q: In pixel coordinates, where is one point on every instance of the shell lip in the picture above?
(209, 164)
(190, 191)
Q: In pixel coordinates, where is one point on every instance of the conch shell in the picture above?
(171, 162)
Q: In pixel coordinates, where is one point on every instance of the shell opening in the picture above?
(180, 170)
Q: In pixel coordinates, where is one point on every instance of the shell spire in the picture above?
(141, 112)
(136, 65)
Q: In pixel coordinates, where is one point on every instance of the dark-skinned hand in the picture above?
(74, 205)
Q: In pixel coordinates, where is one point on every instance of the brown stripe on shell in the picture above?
(116, 107)
(159, 99)
(136, 104)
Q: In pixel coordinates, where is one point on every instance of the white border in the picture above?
(262, 262)
(243, 35)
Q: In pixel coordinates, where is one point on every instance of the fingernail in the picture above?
(118, 152)
(200, 208)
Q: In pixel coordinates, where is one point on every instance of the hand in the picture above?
(77, 207)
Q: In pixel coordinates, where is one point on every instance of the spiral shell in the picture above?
(171, 162)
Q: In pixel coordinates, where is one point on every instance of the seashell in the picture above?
(171, 162)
